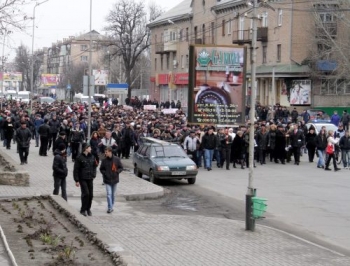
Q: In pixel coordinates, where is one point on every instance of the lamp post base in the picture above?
(249, 220)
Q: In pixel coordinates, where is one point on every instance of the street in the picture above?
(302, 200)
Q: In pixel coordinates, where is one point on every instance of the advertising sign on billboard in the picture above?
(101, 77)
(300, 92)
(12, 76)
(48, 80)
(216, 82)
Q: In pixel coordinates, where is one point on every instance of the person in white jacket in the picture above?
(330, 151)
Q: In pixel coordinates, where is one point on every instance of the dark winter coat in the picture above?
(272, 139)
(84, 167)
(311, 140)
(44, 130)
(8, 129)
(59, 165)
(297, 139)
(209, 142)
(54, 125)
(110, 169)
(238, 148)
(321, 142)
(23, 137)
(280, 143)
(94, 145)
(344, 143)
(262, 139)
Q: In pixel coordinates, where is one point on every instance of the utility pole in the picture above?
(90, 74)
(250, 221)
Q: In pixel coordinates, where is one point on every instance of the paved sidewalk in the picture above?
(175, 239)
(41, 180)
(197, 240)
(4, 258)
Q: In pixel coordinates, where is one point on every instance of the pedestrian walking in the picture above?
(210, 143)
(44, 132)
(54, 124)
(110, 168)
(8, 132)
(60, 171)
(321, 145)
(23, 137)
(77, 137)
(84, 173)
(330, 150)
(344, 144)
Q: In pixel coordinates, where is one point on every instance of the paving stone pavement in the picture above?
(41, 180)
(4, 259)
(197, 240)
(175, 239)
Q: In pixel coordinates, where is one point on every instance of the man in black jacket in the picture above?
(44, 132)
(54, 124)
(209, 143)
(297, 140)
(84, 173)
(60, 171)
(110, 168)
(23, 137)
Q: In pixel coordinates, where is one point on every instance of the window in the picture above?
(182, 61)
(161, 62)
(181, 35)
(155, 64)
(334, 86)
(212, 32)
(327, 17)
(83, 47)
(279, 52)
(187, 34)
(162, 37)
(264, 55)
(155, 39)
(172, 36)
(195, 33)
(84, 58)
(229, 27)
(203, 34)
(280, 17)
(167, 61)
(166, 35)
(241, 28)
(264, 19)
(187, 60)
(223, 28)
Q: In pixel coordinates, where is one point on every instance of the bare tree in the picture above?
(23, 62)
(73, 75)
(130, 37)
(12, 16)
(329, 56)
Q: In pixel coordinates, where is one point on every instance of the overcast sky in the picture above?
(58, 19)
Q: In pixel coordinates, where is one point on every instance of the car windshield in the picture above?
(168, 151)
(328, 127)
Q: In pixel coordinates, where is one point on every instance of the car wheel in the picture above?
(137, 172)
(152, 178)
(191, 181)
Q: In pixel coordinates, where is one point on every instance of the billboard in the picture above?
(300, 92)
(101, 77)
(12, 76)
(216, 93)
(48, 80)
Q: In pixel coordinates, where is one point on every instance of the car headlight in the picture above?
(163, 168)
(191, 167)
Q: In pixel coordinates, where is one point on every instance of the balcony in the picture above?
(160, 48)
(327, 29)
(170, 46)
(245, 36)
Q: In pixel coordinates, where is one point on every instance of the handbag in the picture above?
(330, 149)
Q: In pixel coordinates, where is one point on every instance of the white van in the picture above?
(23, 96)
(11, 94)
(80, 98)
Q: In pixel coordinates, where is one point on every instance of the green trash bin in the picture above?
(259, 207)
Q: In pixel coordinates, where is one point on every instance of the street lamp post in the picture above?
(250, 222)
(90, 74)
(32, 63)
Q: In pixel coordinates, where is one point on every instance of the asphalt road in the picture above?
(302, 200)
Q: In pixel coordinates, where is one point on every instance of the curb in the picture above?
(126, 257)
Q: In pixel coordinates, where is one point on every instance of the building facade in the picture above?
(290, 69)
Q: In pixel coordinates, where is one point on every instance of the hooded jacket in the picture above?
(59, 165)
(110, 169)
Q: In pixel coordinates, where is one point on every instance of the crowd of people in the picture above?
(117, 129)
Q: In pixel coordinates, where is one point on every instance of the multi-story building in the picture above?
(290, 68)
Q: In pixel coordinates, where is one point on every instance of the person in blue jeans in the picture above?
(321, 145)
(209, 143)
(110, 169)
